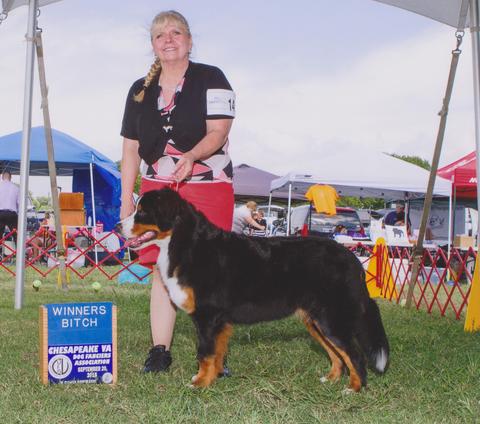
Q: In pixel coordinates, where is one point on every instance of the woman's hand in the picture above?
(127, 209)
(183, 168)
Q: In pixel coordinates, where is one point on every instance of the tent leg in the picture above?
(52, 170)
(452, 208)
(289, 209)
(474, 23)
(269, 230)
(25, 158)
(418, 250)
(93, 209)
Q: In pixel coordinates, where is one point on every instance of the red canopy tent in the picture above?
(463, 174)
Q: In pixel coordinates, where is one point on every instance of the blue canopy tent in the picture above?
(91, 170)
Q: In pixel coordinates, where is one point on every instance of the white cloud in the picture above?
(387, 101)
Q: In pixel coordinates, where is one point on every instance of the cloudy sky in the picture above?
(311, 76)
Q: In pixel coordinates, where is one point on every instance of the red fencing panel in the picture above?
(443, 283)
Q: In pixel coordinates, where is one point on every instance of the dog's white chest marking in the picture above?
(177, 295)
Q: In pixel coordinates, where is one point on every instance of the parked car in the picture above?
(34, 218)
(321, 224)
(380, 213)
(276, 211)
(277, 222)
(275, 219)
(366, 216)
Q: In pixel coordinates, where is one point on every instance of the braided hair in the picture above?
(152, 73)
(156, 68)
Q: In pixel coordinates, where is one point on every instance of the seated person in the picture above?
(259, 217)
(242, 218)
(42, 240)
(397, 217)
(340, 230)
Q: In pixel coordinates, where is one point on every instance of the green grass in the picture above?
(434, 375)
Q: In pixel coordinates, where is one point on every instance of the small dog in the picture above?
(221, 278)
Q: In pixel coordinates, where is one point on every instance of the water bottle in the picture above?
(99, 227)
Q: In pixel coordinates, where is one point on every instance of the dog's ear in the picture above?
(168, 207)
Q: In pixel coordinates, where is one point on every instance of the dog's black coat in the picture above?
(240, 279)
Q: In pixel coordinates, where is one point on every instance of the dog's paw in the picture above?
(200, 383)
(330, 378)
(194, 382)
(348, 391)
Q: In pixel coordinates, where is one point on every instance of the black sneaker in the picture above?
(225, 372)
(158, 359)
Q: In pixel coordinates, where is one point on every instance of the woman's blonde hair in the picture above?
(159, 20)
(251, 205)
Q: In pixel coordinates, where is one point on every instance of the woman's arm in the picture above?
(254, 223)
(217, 133)
(129, 171)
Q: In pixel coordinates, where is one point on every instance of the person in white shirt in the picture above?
(242, 217)
(9, 193)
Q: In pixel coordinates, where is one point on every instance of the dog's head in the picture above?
(154, 218)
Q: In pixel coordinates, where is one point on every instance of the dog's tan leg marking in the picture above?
(221, 347)
(355, 380)
(189, 304)
(211, 366)
(206, 372)
(337, 364)
(335, 353)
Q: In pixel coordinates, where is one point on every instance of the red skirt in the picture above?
(214, 199)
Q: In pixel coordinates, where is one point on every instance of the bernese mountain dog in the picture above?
(221, 278)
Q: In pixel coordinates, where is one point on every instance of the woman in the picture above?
(243, 217)
(175, 129)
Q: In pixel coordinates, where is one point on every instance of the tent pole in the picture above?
(61, 252)
(93, 210)
(418, 250)
(269, 230)
(474, 22)
(451, 221)
(25, 158)
(289, 209)
(454, 210)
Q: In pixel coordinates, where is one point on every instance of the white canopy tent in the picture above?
(362, 173)
(33, 6)
(450, 12)
(9, 5)
(459, 14)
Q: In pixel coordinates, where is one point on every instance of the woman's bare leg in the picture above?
(162, 312)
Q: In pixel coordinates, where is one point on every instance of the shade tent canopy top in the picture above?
(446, 11)
(8, 5)
(463, 174)
(249, 181)
(72, 158)
(70, 154)
(450, 12)
(363, 173)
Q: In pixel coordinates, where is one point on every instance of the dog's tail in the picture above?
(372, 338)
